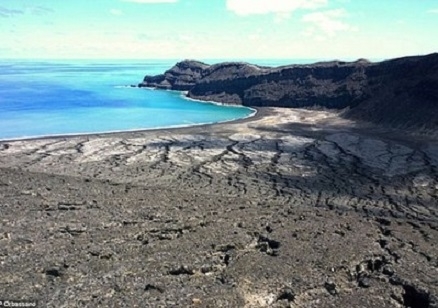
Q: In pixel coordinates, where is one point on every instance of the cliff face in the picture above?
(401, 92)
(404, 93)
(332, 84)
(182, 77)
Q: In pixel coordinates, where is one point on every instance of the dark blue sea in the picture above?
(63, 97)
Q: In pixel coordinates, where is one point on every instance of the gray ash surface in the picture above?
(293, 208)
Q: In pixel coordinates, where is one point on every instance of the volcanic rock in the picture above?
(400, 93)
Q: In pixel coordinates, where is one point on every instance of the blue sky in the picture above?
(221, 29)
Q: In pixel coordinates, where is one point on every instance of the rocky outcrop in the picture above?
(401, 92)
(183, 76)
(332, 84)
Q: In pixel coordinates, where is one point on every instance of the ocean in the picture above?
(68, 97)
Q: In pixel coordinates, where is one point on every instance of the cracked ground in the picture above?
(293, 208)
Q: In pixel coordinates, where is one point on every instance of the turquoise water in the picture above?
(45, 98)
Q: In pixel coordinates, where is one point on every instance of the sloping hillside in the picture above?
(399, 93)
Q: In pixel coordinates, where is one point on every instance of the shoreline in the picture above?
(253, 116)
(255, 112)
(413, 138)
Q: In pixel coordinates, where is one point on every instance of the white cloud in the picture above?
(151, 1)
(251, 7)
(39, 10)
(433, 11)
(5, 12)
(280, 17)
(33, 10)
(329, 22)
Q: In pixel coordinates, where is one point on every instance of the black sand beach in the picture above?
(290, 208)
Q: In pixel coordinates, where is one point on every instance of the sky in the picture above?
(217, 29)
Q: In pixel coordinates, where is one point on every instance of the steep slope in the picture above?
(401, 92)
(404, 94)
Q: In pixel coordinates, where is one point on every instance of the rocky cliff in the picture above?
(403, 93)
(400, 92)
